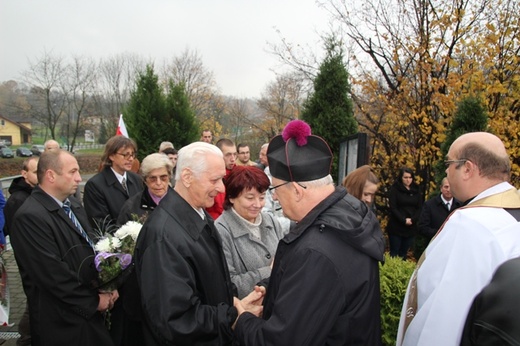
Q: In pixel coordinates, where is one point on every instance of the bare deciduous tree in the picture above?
(189, 70)
(280, 102)
(117, 76)
(48, 100)
(80, 83)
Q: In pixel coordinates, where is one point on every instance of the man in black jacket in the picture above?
(186, 291)
(104, 196)
(324, 286)
(51, 242)
(19, 191)
(106, 192)
(436, 210)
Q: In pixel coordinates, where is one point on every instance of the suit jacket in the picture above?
(433, 215)
(104, 196)
(57, 268)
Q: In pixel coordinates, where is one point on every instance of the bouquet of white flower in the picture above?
(114, 255)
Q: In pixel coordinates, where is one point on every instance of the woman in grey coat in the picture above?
(249, 237)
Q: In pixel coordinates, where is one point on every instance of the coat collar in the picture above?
(52, 207)
(179, 209)
(237, 227)
(311, 217)
(111, 179)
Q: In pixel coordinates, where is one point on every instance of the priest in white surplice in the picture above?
(472, 243)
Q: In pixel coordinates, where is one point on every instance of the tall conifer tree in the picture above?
(153, 116)
(329, 109)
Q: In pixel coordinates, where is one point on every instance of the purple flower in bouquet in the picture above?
(124, 259)
(114, 255)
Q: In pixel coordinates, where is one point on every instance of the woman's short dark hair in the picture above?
(244, 178)
(113, 145)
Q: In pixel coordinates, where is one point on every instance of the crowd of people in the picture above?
(271, 252)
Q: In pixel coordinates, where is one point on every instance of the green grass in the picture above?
(89, 152)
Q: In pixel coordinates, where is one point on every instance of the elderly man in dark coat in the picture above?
(186, 291)
(53, 249)
(324, 286)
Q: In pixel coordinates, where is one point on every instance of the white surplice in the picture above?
(459, 262)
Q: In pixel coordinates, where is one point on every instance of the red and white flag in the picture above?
(121, 128)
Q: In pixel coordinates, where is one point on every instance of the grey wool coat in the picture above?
(248, 258)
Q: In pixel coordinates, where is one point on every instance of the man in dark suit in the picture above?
(436, 210)
(53, 250)
(104, 196)
(106, 192)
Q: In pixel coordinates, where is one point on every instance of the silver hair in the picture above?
(193, 156)
(49, 142)
(326, 180)
(155, 161)
(165, 145)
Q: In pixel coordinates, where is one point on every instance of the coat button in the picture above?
(268, 256)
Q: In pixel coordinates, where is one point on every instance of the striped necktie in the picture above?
(123, 182)
(66, 207)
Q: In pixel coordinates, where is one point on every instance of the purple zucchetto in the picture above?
(297, 155)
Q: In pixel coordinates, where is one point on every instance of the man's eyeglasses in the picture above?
(272, 188)
(152, 179)
(447, 163)
(127, 155)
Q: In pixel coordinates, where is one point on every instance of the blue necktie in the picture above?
(66, 207)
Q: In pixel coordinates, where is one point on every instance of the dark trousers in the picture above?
(24, 328)
(399, 245)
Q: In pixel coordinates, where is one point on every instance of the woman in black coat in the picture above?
(405, 208)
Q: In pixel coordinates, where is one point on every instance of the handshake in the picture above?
(252, 303)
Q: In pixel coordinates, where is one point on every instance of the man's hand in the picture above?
(252, 303)
(107, 300)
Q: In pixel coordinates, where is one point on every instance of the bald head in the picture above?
(486, 151)
(479, 160)
(51, 144)
(485, 140)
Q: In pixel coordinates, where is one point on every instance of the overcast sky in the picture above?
(232, 36)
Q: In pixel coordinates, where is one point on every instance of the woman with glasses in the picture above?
(405, 209)
(156, 172)
(249, 237)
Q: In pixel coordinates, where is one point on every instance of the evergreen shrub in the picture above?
(394, 275)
